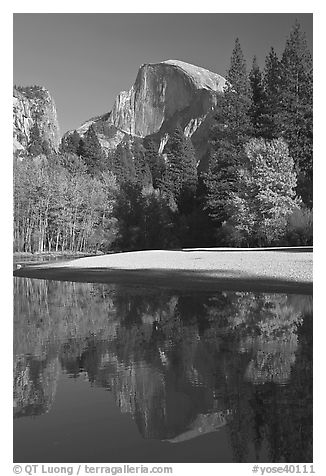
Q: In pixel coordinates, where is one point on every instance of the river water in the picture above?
(110, 373)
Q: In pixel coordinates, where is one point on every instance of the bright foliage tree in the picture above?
(266, 195)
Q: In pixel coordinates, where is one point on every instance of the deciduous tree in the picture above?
(266, 193)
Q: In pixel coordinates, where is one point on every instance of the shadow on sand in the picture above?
(171, 279)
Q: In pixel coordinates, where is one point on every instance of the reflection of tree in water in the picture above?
(34, 385)
(271, 333)
(285, 412)
(182, 365)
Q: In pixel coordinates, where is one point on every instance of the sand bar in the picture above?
(268, 269)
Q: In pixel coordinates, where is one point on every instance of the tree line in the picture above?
(255, 191)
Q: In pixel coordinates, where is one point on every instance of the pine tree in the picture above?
(258, 100)
(35, 145)
(181, 174)
(158, 221)
(186, 200)
(297, 107)
(272, 87)
(155, 162)
(70, 143)
(91, 151)
(230, 131)
(143, 174)
(130, 215)
(122, 164)
(174, 150)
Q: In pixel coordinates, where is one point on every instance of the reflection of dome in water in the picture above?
(164, 405)
(204, 423)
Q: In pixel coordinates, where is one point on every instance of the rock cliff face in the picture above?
(164, 94)
(34, 106)
(164, 91)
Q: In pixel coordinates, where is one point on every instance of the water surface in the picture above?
(111, 373)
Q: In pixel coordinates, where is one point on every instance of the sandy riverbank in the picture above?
(274, 269)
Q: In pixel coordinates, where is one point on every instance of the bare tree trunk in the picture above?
(57, 241)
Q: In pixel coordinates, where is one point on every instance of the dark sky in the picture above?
(86, 59)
